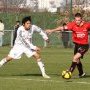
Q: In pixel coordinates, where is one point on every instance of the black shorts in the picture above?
(81, 48)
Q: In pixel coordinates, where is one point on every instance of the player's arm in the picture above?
(41, 32)
(56, 29)
(68, 26)
(27, 42)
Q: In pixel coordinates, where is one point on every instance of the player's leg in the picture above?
(79, 52)
(80, 68)
(74, 62)
(82, 50)
(5, 60)
(15, 53)
(79, 64)
(37, 57)
(40, 64)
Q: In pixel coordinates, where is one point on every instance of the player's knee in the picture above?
(8, 58)
(37, 56)
(75, 59)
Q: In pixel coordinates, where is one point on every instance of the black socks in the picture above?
(72, 67)
(80, 68)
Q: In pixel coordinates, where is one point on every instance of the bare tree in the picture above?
(14, 2)
(13, 5)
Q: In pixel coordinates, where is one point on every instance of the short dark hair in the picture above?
(78, 15)
(18, 21)
(0, 20)
(25, 19)
(64, 24)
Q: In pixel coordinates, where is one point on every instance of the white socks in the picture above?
(3, 61)
(41, 66)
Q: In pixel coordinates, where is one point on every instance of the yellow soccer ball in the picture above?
(66, 74)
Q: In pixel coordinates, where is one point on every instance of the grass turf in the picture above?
(24, 74)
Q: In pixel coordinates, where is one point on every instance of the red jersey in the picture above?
(79, 33)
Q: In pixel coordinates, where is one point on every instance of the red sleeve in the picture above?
(70, 25)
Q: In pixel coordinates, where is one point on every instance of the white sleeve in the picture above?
(41, 32)
(30, 45)
(1, 27)
(26, 41)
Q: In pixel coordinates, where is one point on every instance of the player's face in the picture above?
(17, 23)
(27, 25)
(78, 20)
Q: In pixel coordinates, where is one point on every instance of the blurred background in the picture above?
(45, 14)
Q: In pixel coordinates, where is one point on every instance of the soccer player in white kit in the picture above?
(23, 44)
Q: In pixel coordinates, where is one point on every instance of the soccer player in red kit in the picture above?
(79, 30)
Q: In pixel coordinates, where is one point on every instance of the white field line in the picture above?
(54, 81)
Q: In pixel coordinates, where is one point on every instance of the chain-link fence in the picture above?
(13, 10)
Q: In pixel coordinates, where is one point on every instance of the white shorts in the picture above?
(18, 50)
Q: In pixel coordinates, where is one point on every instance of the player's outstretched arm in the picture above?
(49, 31)
(41, 32)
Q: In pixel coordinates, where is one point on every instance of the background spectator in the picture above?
(15, 30)
(1, 32)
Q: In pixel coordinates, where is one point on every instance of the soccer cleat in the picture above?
(46, 76)
(82, 75)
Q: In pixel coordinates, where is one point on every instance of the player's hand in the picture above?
(47, 40)
(38, 49)
(48, 31)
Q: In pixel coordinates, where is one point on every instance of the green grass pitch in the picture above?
(24, 74)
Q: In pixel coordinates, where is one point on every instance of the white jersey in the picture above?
(35, 28)
(24, 37)
(1, 29)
